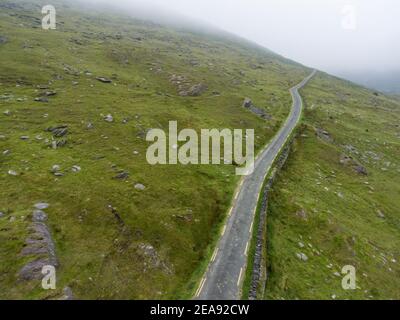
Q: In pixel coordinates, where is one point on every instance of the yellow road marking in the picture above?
(223, 230)
(247, 248)
(240, 277)
(214, 255)
(200, 287)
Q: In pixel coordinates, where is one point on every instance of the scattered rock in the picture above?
(76, 169)
(122, 175)
(109, 118)
(41, 99)
(139, 186)
(116, 215)
(136, 153)
(104, 80)
(302, 257)
(381, 214)
(3, 40)
(12, 173)
(7, 113)
(24, 137)
(197, 90)
(151, 259)
(90, 126)
(2, 214)
(55, 168)
(361, 170)
(58, 143)
(50, 93)
(41, 205)
(39, 216)
(6, 152)
(59, 131)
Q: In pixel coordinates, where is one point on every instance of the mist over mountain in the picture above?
(356, 40)
(388, 82)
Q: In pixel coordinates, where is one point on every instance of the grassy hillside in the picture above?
(112, 239)
(337, 200)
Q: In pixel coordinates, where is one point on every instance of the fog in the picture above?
(343, 37)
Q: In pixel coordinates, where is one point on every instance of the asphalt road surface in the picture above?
(224, 276)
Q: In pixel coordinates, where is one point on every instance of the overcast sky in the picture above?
(333, 35)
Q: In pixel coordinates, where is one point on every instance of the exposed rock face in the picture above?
(248, 104)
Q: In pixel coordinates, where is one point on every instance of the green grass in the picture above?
(342, 226)
(98, 258)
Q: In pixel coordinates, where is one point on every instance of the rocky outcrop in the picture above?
(348, 161)
(39, 246)
(248, 104)
(324, 135)
(194, 91)
(152, 260)
(186, 88)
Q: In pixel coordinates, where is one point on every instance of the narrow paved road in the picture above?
(223, 279)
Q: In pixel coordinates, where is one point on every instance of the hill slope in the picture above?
(75, 106)
(337, 200)
(111, 239)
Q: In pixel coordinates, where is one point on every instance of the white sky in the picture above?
(308, 31)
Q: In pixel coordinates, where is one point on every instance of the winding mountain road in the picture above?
(224, 276)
